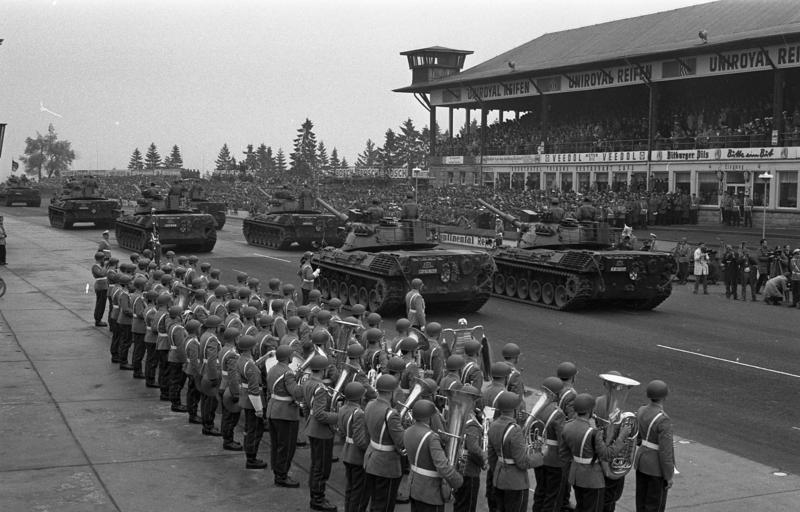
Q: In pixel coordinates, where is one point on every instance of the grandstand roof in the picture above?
(728, 23)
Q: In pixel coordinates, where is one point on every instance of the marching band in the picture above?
(416, 415)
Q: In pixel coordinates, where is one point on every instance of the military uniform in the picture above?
(192, 370)
(228, 357)
(614, 486)
(415, 309)
(549, 475)
(509, 458)
(382, 458)
(284, 418)
(489, 399)
(566, 397)
(351, 424)
(176, 359)
(466, 497)
(655, 458)
(210, 372)
(124, 321)
(247, 377)
(99, 273)
(151, 315)
(162, 352)
(319, 430)
(428, 467)
(138, 332)
(472, 374)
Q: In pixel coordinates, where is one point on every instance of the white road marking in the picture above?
(271, 257)
(730, 361)
(796, 428)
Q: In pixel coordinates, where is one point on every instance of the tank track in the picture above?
(130, 238)
(260, 235)
(378, 293)
(220, 218)
(568, 291)
(58, 218)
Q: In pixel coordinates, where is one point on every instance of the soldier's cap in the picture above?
(170, 254)
(134, 256)
(657, 390)
(199, 293)
(284, 353)
(246, 342)
(294, 323)
(205, 266)
(373, 319)
(402, 324)
(407, 344)
(113, 277)
(584, 403)
(396, 365)
(324, 316)
(166, 279)
(212, 321)
(125, 279)
(192, 259)
(433, 328)
(334, 303)
(253, 281)
(220, 291)
(314, 294)
(371, 394)
(355, 350)
(511, 350)
(287, 288)
(266, 320)
(431, 387)
(105, 233)
(274, 283)
(249, 312)
(277, 305)
(166, 268)
(181, 259)
(180, 270)
(354, 391)
(139, 282)
(234, 305)
(500, 370)
(373, 335)
(423, 409)
(255, 303)
(386, 383)
(472, 347)
(416, 283)
(231, 333)
(470, 390)
(212, 284)
(566, 370)
(150, 295)
(358, 310)
(197, 283)
(99, 255)
(214, 272)
(318, 362)
(175, 311)
(113, 261)
(554, 384)
(507, 401)
(349, 319)
(454, 362)
(303, 311)
(307, 255)
(244, 293)
(193, 326)
(319, 337)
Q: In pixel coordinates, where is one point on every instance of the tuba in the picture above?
(533, 428)
(346, 331)
(413, 395)
(460, 405)
(183, 296)
(304, 365)
(347, 372)
(623, 462)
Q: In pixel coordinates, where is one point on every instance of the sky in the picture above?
(125, 73)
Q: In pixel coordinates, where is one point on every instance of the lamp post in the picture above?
(766, 176)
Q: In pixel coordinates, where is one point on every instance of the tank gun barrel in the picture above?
(339, 215)
(266, 194)
(503, 215)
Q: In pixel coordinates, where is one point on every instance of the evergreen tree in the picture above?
(175, 158)
(261, 158)
(344, 163)
(410, 149)
(250, 160)
(334, 162)
(369, 157)
(304, 157)
(271, 165)
(152, 160)
(322, 156)
(387, 155)
(137, 162)
(223, 161)
(280, 161)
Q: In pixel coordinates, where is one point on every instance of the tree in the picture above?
(344, 163)
(223, 161)
(369, 157)
(334, 162)
(263, 155)
(47, 153)
(322, 156)
(280, 161)
(250, 160)
(304, 159)
(387, 155)
(175, 159)
(410, 148)
(136, 163)
(152, 160)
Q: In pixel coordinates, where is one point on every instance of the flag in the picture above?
(14, 165)
(679, 67)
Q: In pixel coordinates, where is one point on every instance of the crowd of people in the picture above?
(304, 370)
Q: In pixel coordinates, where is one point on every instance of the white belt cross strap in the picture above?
(549, 442)
(279, 397)
(348, 436)
(503, 458)
(578, 458)
(415, 468)
(383, 447)
(645, 442)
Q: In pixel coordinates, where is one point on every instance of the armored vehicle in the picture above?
(570, 265)
(292, 221)
(168, 220)
(19, 191)
(196, 188)
(80, 201)
(379, 259)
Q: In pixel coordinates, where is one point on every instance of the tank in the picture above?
(80, 201)
(379, 258)
(196, 188)
(170, 219)
(17, 191)
(291, 221)
(570, 265)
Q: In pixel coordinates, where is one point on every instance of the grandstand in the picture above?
(699, 100)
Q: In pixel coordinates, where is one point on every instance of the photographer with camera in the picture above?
(701, 257)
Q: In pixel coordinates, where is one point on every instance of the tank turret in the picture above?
(196, 190)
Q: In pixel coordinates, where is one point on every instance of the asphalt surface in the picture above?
(733, 367)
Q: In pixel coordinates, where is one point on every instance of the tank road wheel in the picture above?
(376, 297)
(334, 289)
(535, 291)
(522, 288)
(571, 286)
(547, 293)
(561, 298)
(499, 284)
(511, 286)
(325, 288)
(343, 295)
(363, 296)
(352, 294)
